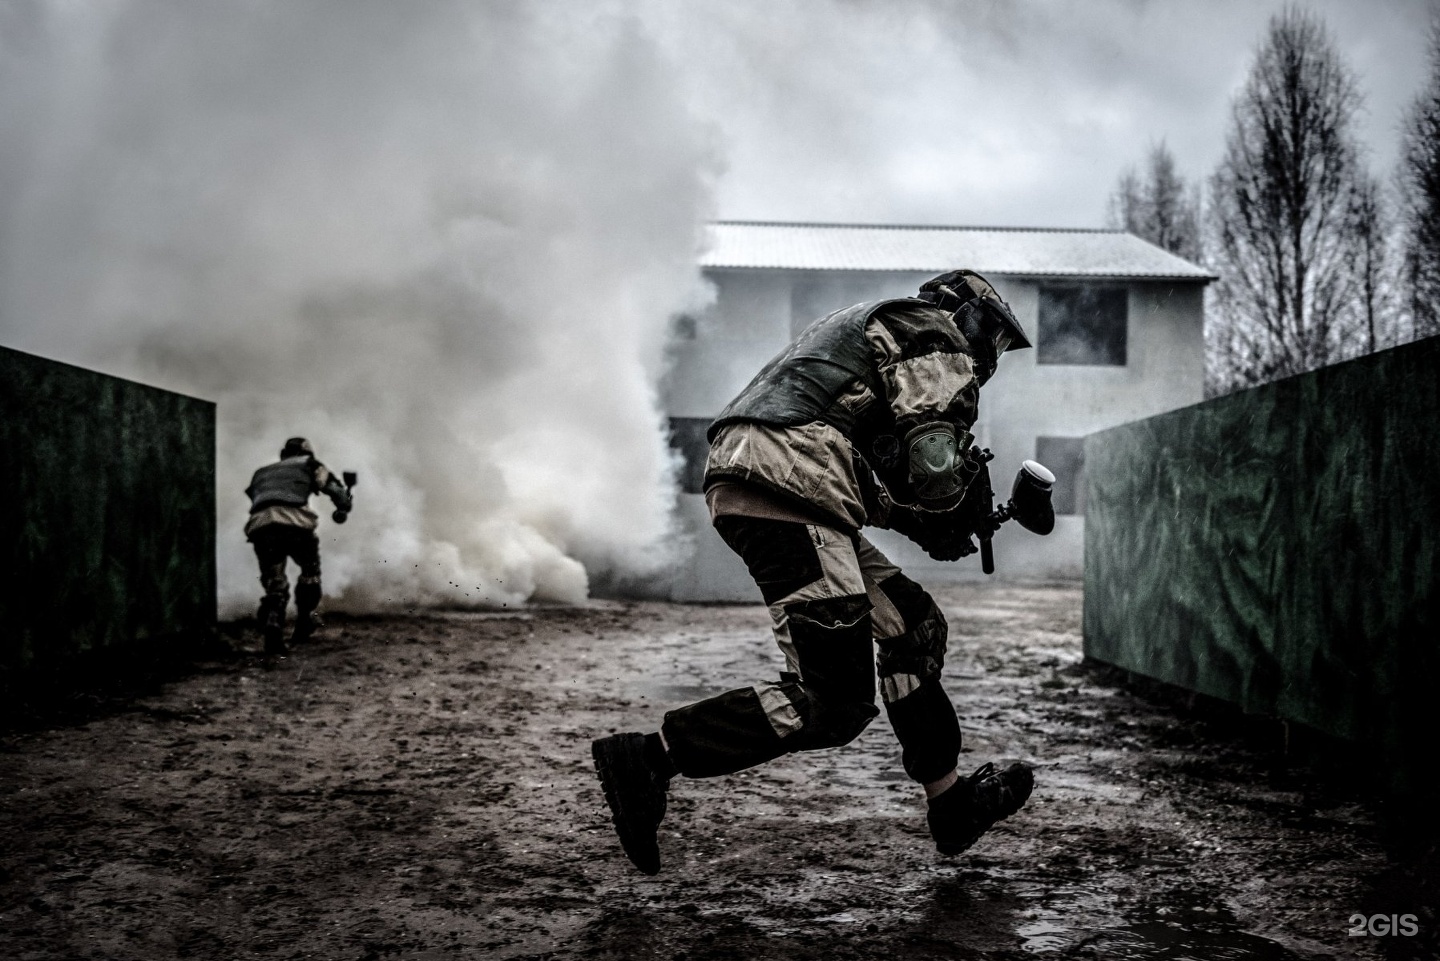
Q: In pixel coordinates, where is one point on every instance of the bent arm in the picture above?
(328, 484)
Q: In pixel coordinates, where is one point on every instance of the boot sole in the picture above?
(615, 767)
(949, 850)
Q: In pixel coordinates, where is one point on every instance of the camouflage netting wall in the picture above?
(107, 514)
(1279, 548)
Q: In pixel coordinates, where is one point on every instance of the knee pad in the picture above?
(920, 651)
(276, 585)
(309, 561)
(915, 653)
(916, 607)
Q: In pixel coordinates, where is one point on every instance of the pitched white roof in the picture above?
(990, 250)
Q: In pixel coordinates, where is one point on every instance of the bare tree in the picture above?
(1419, 183)
(1368, 224)
(1158, 205)
(1282, 212)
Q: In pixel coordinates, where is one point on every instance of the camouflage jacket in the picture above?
(824, 423)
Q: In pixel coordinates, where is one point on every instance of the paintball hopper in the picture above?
(351, 479)
(1029, 503)
(1030, 498)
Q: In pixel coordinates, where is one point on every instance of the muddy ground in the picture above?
(420, 787)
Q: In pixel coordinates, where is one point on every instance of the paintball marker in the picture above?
(351, 479)
(1029, 502)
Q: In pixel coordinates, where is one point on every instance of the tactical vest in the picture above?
(285, 482)
(803, 382)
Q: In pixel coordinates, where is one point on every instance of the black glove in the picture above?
(340, 497)
(949, 548)
(943, 535)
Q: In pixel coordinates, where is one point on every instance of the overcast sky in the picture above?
(988, 111)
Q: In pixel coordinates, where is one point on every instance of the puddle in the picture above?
(1199, 930)
(1044, 936)
(1174, 941)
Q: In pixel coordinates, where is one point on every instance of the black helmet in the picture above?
(296, 447)
(957, 290)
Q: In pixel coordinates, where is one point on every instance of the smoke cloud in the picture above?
(443, 240)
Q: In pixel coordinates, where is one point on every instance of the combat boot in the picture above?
(272, 628)
(635, 789)
(307, 618)
(971, 806)
(306, 624)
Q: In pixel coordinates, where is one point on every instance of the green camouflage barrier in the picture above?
(107, 515)
(1279, 549)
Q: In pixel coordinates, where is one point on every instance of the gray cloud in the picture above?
(992, 112)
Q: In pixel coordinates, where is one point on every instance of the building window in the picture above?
(1065, 456)
(687, 437)
(1083, 325)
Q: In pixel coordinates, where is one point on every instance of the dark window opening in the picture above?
(687, 436)
(1065, 456)
(1083, 325)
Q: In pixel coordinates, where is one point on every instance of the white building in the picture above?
(1117, 325)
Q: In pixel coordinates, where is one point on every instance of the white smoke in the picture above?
(443, 240)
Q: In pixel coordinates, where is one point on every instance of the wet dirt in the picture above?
(420, 787)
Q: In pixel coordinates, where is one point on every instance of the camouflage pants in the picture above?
(843, 616)
(275, 545)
